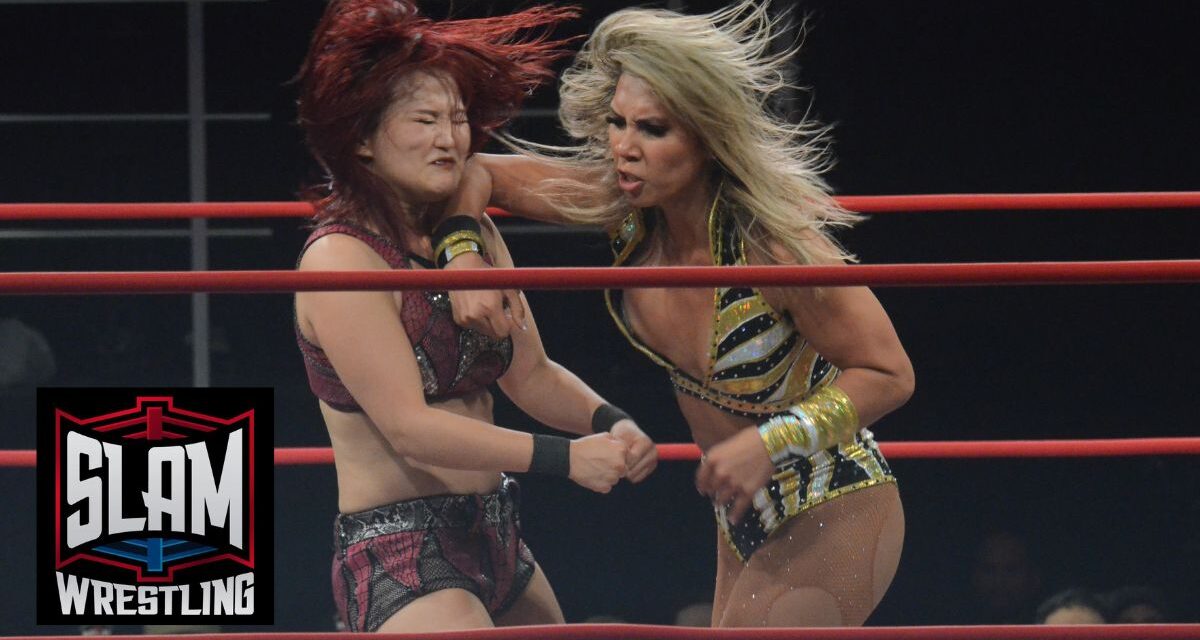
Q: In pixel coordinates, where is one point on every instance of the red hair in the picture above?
(359, 51)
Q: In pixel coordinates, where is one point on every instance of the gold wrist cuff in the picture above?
(825, 418)
(456, 238)
(457, 249)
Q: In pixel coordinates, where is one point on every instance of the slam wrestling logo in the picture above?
(154, 504)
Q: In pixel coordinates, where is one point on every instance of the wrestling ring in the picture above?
(1143, 272)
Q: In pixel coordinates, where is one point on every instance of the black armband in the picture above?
(551, 455)
(454, 236)
(605, 416)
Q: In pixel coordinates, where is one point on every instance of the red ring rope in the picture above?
(896, 275)
(153, 210)
(287, 456)
(1021, 201)
(983, 273)
(657, 632)
(864, 204)
(899, 450)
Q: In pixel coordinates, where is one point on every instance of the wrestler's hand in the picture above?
(490, 312)
(493, 313)
(598, 461)
(733, 471)
(642, 456)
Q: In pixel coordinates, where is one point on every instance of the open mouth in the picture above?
(629, 183)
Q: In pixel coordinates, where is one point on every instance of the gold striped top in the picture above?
(758, 364)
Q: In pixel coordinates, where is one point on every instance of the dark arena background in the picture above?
(102, 103)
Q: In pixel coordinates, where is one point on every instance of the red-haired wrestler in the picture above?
(428, 538)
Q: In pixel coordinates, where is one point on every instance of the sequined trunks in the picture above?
(802, 483)
(389, 556)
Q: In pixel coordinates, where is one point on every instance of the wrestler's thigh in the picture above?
(444, 610)
(889, 546)
(827, 566)
(841, 534)
(536, 605)
(728, 570)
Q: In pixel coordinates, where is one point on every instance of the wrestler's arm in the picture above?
(553, 395)
(851, 330)
(361, 333)
(509, 181)
(506, 181)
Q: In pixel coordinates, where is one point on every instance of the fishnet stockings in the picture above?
(828, 566)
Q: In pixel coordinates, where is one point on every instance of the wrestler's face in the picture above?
(422, 140)
(659, 162)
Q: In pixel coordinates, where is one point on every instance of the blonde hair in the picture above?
(715, 73)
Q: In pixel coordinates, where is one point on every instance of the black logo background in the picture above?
(224, 403)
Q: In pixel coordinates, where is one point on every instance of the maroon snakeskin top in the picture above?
(453, 361)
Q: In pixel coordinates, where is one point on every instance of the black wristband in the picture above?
(605, 416)
(551, 455)
(453, 224)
